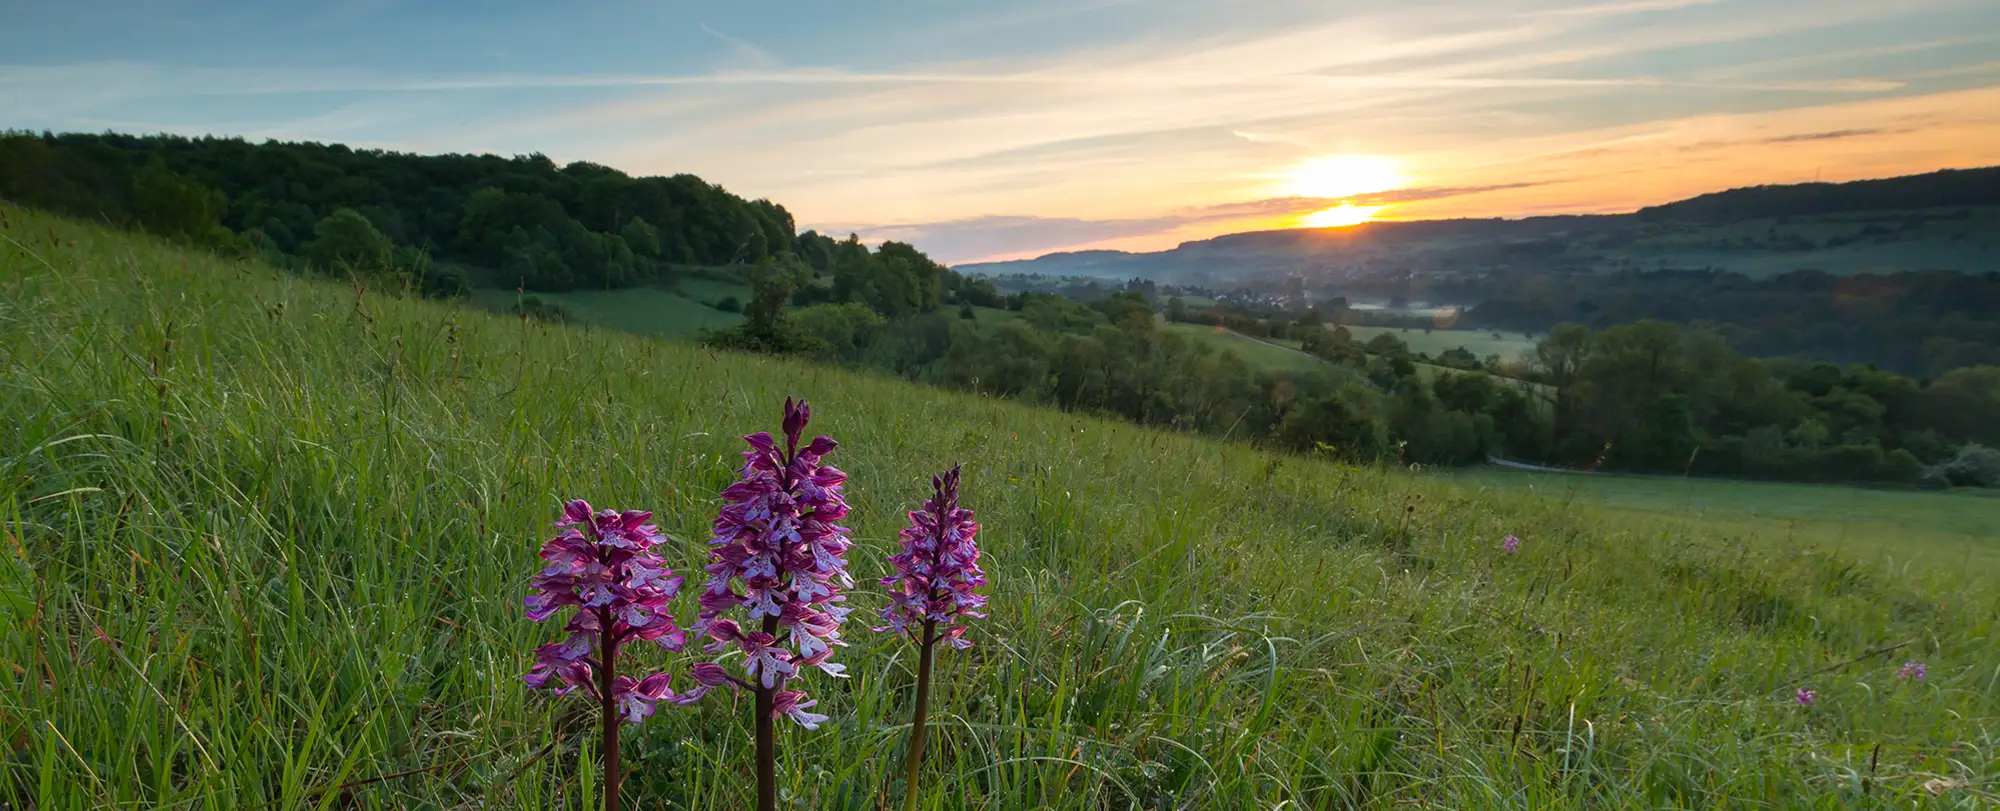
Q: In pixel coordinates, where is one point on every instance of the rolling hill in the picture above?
(1947, 220)
(263, 542)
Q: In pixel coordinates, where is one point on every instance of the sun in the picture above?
(1340, 176)
(1339, 216)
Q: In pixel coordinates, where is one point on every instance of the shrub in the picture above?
(534, 308)
(1975, 465)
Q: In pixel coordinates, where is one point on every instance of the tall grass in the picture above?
(265, 541)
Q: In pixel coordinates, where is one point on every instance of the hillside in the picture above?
(265, 542)
(678, 310)
(1947, 220)
(519, 221)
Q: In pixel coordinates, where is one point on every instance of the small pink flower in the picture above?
(1511, 545)
(1912, 671)
(1805, 696)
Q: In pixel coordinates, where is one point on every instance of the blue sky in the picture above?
(982, 130)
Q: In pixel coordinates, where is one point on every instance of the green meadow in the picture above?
(680, 312)
(1258, 354)
(1286, 355)
(264, 539)
(1939, 529)
(1510, 346)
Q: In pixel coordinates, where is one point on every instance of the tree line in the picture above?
(521, 221)
(1920, 323)
(1649, 396)
(1653, 396)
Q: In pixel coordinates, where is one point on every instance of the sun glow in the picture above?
(1345, 176)
(1340, 215)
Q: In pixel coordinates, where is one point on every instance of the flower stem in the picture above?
(767, 739)
(915, 760)
(608, 650)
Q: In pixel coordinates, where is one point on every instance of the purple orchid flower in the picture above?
(602, 565)
(778, 555)
(934, 585)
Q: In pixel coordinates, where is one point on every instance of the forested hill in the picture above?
(544, 226)
(1942, 221)
(1943, 189)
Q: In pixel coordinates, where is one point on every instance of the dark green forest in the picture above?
(525, 220)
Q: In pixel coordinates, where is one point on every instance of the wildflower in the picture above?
(792, 703)
(936, 575)
(1912, 671)
(602, 565)
(1510, 544)
(779, 556)
(938, 569)
(778, 540)
(1805, 696)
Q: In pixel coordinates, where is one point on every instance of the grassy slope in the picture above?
(679, 313)
(1938, 529)
(709, 290)
(986, 318)
(1256, 353)
(1287, 355)
(1510, 346)
(263, 536)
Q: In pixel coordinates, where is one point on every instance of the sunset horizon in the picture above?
(983, 135)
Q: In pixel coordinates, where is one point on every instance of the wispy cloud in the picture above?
(1628, 7)
(1828, 135)
(1046, 125)
(1438, 193)
(1268, 137)
(744, 52)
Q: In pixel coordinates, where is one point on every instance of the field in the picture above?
(1958, 529)
(679, 313)
(710, 290)
(265, 541)
(1257, 354)
(987, 317)
(1510, 346)
(1286, 355)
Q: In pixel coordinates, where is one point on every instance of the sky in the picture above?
(990, 130)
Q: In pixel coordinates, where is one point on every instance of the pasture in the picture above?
(264, 539)
(1509, 346)
(1937, 529)
(682, 312)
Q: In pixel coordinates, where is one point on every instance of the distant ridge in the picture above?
(1423, 246)
(1940, 189)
